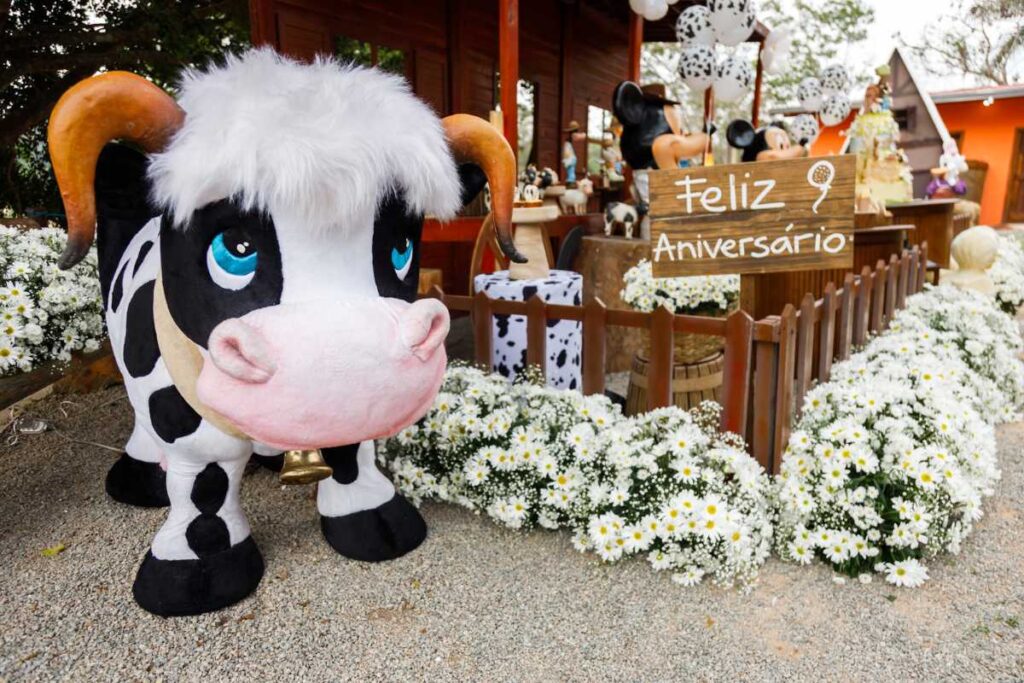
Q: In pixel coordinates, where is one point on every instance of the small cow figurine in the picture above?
(574, 201)
(542, 178)
(259, 272)
(771, 143)
(620, 214)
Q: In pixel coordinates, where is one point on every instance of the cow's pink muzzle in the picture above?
(323, 374)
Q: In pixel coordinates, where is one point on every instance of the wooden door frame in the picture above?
(1018, 150)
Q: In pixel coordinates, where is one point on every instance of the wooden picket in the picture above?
(769, 365)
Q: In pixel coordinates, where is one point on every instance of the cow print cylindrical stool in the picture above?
(564, 348)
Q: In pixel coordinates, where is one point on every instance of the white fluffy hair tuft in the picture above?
(324, 142)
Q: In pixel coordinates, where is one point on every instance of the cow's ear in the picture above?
(122, 189)
(740, 134)
(628, 102)
(473, 179)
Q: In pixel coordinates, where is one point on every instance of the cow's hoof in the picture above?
(139, 483)
(271, 462)
(176, 588)
(384, 533)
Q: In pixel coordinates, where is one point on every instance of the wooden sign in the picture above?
(760, 217)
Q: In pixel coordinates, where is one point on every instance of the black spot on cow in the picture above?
(501, 320)
(140, 258)
(207, 534)
(503, 370)
(551, 335)
(576, 299)
(140, 346)
(210, 489)
(117, 291)
(343, 461)
(528, 292)
(171, 416)
(572, 383)
(522, 359)
(553, 321)
(560, 361)
(510, 343)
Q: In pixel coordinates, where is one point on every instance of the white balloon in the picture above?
(639, 6)
(693, 27)
(733, 79)
(804, 127)
(810, 94)
(656, 10)
(777, 45)
(835, 80)
(732, 20)
(697, 67)
(835, 110)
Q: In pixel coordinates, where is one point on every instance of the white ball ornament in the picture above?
(835, 110)
(640, 6)
(810, 94)
(804, 127)
(697, 67)
(835, 80)
(733, 79)
(732, 20)
(693, 27)
(656, 10)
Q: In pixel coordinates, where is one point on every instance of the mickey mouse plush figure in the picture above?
(771, 143)
(652, 129)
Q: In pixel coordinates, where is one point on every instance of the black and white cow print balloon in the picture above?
(835, 80)
(693, 27)
(697, 66)
(810, 94)
(733, 80)
(835, 110)
(732, 20)
(804, 128)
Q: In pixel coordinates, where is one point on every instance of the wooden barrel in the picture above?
(691, 383)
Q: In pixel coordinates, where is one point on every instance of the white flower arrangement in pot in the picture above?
(1007, 273)
(665, 485)
(46, 313)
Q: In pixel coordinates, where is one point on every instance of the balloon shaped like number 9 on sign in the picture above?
(820, 176)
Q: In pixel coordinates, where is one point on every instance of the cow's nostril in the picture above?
(424, 326)
(240, 351)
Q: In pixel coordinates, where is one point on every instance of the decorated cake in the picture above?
(883, 172)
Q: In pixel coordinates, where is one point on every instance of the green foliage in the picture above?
(821, 31)
(45, 47)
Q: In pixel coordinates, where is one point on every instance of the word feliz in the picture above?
(761, 246)
(819, 176)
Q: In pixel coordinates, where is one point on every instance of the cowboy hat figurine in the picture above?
(569, 152)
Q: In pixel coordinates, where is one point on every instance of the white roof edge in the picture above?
(929, 104)
(977, 94)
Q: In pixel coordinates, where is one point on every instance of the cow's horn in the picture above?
(474, 140)
(109, 106)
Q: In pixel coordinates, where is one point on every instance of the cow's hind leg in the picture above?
(203, 558)
(137, 478)
(361, 514)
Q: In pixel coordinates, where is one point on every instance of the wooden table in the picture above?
(933, 220)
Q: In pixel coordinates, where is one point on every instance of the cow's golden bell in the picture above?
(304, 467)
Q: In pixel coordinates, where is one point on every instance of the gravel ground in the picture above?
(475, 602)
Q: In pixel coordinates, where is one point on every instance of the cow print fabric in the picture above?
(564, 347)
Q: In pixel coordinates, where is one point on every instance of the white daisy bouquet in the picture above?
(698, 295)
(1007, 273)
(892, 457)
(665, 484)
(45, 313)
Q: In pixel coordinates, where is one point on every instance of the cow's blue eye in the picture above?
(402, 260)
(231, 259)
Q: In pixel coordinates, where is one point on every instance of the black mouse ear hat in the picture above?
(740, 134)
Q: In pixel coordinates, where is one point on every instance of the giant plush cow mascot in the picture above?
(260, 272)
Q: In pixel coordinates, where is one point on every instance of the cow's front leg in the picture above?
(203, 558)
(361, 514)
(137, 478)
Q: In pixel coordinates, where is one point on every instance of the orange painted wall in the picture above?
(988, 136)
(830, 141)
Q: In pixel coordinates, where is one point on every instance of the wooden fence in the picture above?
(769, 364)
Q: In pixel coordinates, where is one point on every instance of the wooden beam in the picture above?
(261, 20)
(636, 45)
(508, 64)
(755, 116)
(709, 104)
